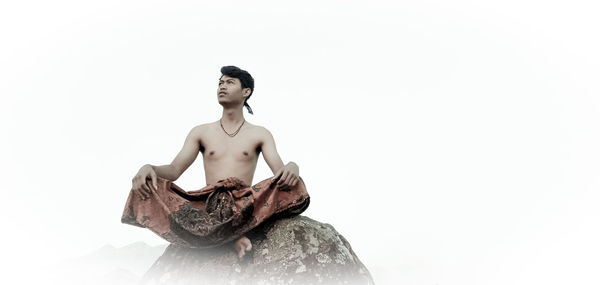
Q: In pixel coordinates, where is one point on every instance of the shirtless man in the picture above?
(229, 146)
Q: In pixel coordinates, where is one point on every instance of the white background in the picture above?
(451, 142)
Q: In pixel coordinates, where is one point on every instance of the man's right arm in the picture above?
(184, 158)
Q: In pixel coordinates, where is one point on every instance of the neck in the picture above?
(232, 116)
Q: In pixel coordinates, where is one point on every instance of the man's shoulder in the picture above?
(200, 129)
(260, 130)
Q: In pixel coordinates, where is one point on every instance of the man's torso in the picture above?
(226, 156)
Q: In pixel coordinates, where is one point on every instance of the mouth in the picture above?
(222, 93)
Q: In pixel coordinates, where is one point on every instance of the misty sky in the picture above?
(451, 142)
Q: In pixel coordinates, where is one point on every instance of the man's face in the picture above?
(230, 90)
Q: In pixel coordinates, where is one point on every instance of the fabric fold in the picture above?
(215, 214)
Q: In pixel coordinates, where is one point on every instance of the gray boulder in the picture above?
(296, 250)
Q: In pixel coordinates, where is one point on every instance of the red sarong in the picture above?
(215, 214)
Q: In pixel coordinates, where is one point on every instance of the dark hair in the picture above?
(244, 77)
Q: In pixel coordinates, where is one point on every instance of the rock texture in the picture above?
(296, 250)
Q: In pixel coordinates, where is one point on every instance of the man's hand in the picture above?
(141, 186)
(287, 176)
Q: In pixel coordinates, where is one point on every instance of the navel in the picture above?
(245, 153)
(211, 152)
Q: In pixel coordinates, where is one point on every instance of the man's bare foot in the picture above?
(242, 245)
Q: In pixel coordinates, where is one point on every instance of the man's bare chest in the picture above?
(222, 147)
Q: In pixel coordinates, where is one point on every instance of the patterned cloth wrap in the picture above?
(214, 215)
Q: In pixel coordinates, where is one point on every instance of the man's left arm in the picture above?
(286, 175)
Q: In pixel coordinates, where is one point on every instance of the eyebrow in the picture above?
(226, 79)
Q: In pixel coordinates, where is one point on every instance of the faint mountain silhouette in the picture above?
(109, 265)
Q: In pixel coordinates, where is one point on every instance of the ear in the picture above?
(246, 92)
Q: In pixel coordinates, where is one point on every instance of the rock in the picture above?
(296, 250)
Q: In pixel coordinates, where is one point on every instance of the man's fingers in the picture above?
(154, 182)
(146, 188)
(139, 194)
(283, 177)
(149, 186)
(293, 182)
(140, 191)
(284, 182)
(276, 177)
(290, 179)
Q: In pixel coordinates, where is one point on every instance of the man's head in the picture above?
(234, 82)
